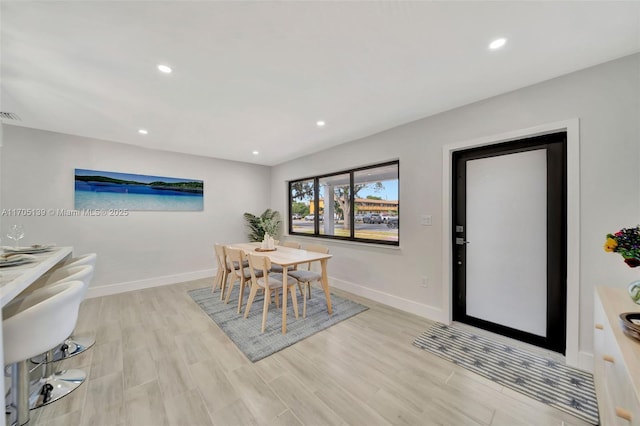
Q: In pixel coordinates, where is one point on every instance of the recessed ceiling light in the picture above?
(320, 123)
(164, 68)
(143, 131)
(256, 152)
(497, 43)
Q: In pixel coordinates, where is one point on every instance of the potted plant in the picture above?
(267, 223)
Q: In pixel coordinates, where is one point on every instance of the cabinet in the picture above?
(616, 367)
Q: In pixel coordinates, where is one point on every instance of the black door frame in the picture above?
(556, 146)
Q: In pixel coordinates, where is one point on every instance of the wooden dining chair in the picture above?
(269, 282)
(292, 244)
(239, 272)
(224, 270)
(306, 277)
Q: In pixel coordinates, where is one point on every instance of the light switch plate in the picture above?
(425, 220)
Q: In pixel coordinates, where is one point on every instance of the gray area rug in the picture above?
(245, 333)
(565, 388)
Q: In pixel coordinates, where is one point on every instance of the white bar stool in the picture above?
(49, 277)
(72, 345)
(82, 343)
(47, 316)
(85, 259)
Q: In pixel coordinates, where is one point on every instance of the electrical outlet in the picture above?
(424, 282)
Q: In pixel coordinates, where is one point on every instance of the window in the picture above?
(302, 205)
(358, 205)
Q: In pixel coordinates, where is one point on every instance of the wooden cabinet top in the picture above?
(616, 301)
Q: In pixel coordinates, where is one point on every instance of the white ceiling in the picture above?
(258, 75)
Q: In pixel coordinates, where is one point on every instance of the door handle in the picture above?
(461, 241)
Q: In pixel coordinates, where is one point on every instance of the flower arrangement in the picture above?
(626, 242)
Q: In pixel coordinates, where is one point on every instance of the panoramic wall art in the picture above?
(95, 189)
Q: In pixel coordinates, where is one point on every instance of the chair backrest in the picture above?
(85, 259)
(48, 316)
(82, 273)
(317, 248)
(236, 256)
(221, 256)
(292, 244)
(65, 274)
(88, 259)
(260, 263)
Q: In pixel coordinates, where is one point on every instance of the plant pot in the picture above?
(634, 291)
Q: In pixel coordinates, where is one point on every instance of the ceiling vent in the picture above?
(9, 116)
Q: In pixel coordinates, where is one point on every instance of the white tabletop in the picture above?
(14, 279)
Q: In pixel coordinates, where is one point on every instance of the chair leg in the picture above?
(216, 281)
(265, 308)
(241, 295)
(233, 282)
(304, 301)
(294, 301)
(252, 295)
(300, 288)
(309, 287)
(223, 283)
(276, 296)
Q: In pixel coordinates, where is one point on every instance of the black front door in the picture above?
(509, 239)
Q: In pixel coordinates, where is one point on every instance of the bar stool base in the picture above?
(75, 346)
(60, 384)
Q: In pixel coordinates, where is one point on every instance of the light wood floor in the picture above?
(159, 360)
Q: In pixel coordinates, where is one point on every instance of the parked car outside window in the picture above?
(372, 218)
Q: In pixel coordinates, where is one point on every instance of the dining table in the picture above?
(289, 257)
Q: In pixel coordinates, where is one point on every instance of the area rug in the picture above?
(245, 333)
(555, 384)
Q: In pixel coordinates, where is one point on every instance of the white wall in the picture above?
(36, 171)
(145, 248)
(604, 98)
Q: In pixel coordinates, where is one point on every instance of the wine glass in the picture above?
(16, 233)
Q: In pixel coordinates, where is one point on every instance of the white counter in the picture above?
(14, 279)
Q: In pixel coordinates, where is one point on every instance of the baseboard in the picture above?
(585, 361)
(108, 290)
(425, 311)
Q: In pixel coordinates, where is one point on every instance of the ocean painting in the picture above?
(96, 189)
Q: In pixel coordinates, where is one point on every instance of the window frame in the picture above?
(316, 200)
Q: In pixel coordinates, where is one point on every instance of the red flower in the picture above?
(632, 262)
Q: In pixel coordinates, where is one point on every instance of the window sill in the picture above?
(319, 240)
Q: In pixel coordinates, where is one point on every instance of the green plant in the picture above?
(268, 222)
